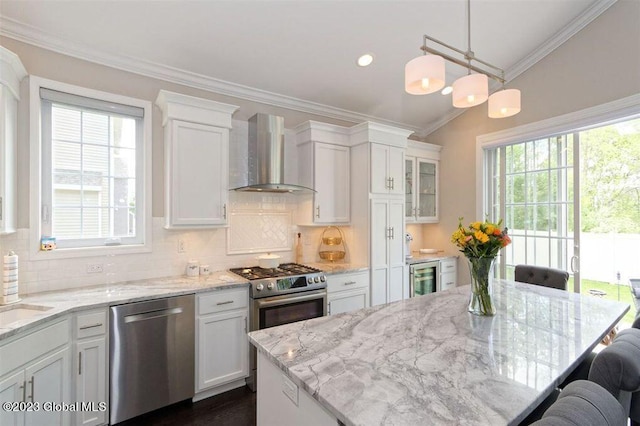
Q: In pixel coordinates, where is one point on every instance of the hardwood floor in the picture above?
(234, 408)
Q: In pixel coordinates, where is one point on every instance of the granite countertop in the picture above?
(417, 257)
(72, 300)
(337, 268)
(426, 360)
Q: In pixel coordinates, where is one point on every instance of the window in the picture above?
(94, 176)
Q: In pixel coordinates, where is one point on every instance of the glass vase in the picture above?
(481, 301)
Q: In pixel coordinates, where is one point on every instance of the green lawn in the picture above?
(612, 294)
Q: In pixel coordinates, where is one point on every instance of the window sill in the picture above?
(70, 253)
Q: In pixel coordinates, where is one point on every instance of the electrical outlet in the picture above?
(182, 246)
(94, 268)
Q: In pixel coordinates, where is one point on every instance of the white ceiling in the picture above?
(301, 54)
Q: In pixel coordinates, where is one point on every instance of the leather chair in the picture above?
(547, 277)
(584, 403)
(617, 369)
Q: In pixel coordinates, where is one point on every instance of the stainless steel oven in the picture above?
(424, 278)
(286, 294)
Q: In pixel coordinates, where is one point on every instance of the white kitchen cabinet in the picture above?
(387, 250)
(37, 368)
(196, 152)
(347, 292)
(324, 165)
(222, 346)
(448, 273)
(91, 368)
(422, 169)
(387, 169)
(11, 73)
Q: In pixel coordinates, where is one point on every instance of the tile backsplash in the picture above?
(208, 246)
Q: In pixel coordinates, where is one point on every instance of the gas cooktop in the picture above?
(283, 270)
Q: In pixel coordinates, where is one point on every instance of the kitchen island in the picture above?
(426, 360)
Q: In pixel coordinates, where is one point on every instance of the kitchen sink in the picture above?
(20, 312)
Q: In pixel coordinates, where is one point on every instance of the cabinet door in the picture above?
(379, 169)
(198, 172)
(447, 281)
(396, 247)
(427, 193)
(91, 384)
(396, 170)
(12, 390)
(223, 351)
(379, 258)
(48, 380)
(331, 181)
(8, 147)
(347, 301)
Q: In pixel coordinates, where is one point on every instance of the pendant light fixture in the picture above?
(426, 74)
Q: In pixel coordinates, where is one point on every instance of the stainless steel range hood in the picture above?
(266, 156)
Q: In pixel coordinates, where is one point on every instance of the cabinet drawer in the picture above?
(447, 281)
(340, 282)
(448, 265)
(92, 323)
(224, 300)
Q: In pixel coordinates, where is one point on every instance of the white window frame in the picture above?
(143, 200)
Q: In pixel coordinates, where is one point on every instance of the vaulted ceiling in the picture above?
(301, 54)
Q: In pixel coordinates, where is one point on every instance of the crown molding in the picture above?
(30, 35)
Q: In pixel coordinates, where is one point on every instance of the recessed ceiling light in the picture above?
(447, 90)
(365, 60)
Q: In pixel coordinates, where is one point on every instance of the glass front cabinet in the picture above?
(421, 183)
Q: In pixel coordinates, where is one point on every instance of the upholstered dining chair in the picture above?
(617, 369)
(547, 277)
(584, 403)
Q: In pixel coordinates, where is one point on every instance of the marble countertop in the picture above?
(426, 360)
(338, 268)
(64, 302)
(417, 257)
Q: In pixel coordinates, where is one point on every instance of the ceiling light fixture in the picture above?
(365, 60)
(425, 74)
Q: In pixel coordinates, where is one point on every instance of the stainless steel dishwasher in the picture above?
(151, 355)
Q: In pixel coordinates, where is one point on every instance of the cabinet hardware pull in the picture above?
(245, 324)
(33, 379)
(349, 283)
(85, 327)
(224, 211)
(24, 391)
(224, 303)
(393, 183)
(79, 363)
(318, 211)
(393, 234)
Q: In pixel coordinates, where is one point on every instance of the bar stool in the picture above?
(584, 403)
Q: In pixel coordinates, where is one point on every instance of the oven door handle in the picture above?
(288, 299)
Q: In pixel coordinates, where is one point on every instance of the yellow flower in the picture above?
(489, 229)
(475, 225)
(481, 236)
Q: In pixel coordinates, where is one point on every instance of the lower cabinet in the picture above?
(91, 368)
(448, 273)
(347, 292)
(36, 369)
(222, 346)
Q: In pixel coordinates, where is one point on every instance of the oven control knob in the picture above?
(323, 278)
(270, 286)
(316, 279)
(310, 280)
(259, 287)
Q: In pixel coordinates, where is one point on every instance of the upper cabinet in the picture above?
(196, 159)
(324, 166)
(422, 168)
(11, 73)
(387, 165)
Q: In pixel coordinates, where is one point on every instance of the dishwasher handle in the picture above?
(152, 314)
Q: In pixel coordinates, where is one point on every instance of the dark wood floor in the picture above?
(233, 408)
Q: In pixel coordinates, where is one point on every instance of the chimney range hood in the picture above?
(266, 156)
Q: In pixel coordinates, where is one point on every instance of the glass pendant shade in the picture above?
(504, 103)
(470, 90)
(424, 74)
